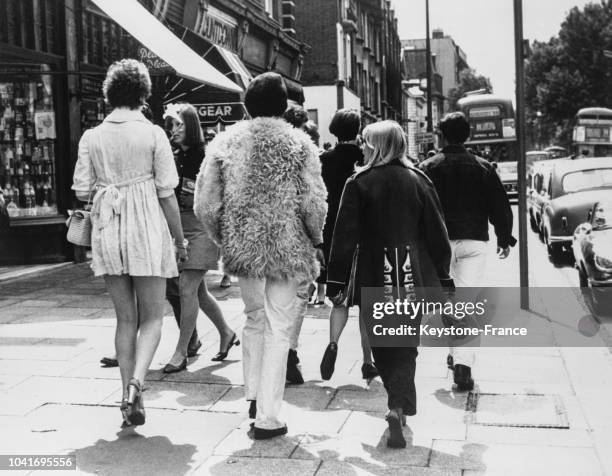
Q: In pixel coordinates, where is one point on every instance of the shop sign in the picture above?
(211, 23)
(229, 112)
(424, 137)
(153, 62)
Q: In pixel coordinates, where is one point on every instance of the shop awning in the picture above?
(238, 68)
(143, 26)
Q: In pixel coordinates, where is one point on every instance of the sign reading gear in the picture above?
(227, 113)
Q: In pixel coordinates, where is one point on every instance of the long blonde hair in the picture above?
(385, 141)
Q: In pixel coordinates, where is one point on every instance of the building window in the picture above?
(269, 7)
(313, 115)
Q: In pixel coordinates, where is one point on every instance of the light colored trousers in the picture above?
(270, 308)
(468, 265)
(301, 306)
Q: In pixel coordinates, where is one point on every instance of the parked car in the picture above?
(537, 156)
(538, 179)
(592, 247)
(508, 174)
(573, 187)
(557, 152)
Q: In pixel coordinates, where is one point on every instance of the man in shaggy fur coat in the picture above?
(260, 196)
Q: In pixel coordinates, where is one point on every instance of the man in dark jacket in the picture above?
(472, 195)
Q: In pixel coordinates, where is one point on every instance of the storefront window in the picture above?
(27, 146)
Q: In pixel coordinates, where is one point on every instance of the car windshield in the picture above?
(587, 179)
(531, 158)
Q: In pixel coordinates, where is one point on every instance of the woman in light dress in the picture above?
(127, 165)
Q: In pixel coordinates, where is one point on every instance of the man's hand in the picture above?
(338, 299)
(503, 253)
(335, 293)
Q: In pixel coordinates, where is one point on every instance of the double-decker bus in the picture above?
(493, 134)
(592, 135)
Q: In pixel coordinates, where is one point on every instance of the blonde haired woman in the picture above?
(127, 165)
(389, 232)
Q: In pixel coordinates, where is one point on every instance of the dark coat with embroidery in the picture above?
(392, 216)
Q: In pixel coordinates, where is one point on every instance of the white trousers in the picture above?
(301, 306)
(270, 315)
(468, 264)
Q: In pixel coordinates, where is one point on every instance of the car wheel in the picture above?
(555, 251)
(533, 223)
(541, 233)
(597, 301)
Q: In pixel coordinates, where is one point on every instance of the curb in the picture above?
(34, 271)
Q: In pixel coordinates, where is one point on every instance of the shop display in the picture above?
(27, 147)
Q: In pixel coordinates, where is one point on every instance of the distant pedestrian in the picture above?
(298, 118)
(312, 130)
(471, 194)
(126, 163)
(337, 166)
(389, 231)
(203, 252)
(260, 194)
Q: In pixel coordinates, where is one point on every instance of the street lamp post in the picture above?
(429, 72)
(522, 164)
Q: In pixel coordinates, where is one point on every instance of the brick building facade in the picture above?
(448, 57)
(354, 60)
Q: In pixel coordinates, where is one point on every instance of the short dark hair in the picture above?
(296, 116)
(266, 96)
(194, 136)
(455, 127)
(345, 124)
(127, 84)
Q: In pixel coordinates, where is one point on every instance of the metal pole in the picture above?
(429, 72)
(522, 164)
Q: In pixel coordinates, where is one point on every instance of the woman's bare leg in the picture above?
(210, 307)
(337, 321)
(121, 290)
(150, 295)
(189, 282)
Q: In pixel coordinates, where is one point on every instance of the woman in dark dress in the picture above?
(389, 224)
(337, 165)
(202, 251)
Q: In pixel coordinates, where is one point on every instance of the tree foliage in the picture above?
(469, 80)
(569, 72)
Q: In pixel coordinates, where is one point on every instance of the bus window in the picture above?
(592, 134)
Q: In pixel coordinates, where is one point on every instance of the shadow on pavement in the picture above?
(136, 454)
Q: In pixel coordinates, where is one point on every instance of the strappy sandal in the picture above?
(134, 407)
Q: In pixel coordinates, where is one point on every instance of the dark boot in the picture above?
(328, 363)
(463, 378)
(294, 376)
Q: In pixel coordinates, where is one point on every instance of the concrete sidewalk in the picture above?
(535, 410)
